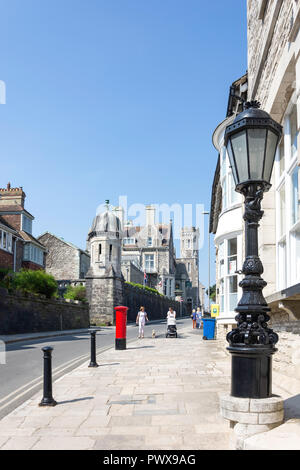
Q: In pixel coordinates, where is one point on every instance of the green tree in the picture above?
(35, 282)
(212, 293)
(76, 293)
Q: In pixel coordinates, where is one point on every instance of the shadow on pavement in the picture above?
(75, 399)
(292, 407)
(34, 343)
(113, 364)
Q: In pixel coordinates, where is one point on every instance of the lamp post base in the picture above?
(251, 373)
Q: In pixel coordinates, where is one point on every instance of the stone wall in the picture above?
(103, 294)
(286, 361)
(267, 38)
(28, 314)
(131, 273)
(63, 260)
(155, 305)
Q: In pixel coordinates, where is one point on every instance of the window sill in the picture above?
(6, 251)
(34, 262)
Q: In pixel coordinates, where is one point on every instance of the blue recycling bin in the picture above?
(209, 325)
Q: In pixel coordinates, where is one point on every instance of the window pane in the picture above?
(224, 194)
(282, 265)
(223, 162)
(232, 246)
(233, 300)
(270, 154)
(239, 147)
(9, 242)
(282, 211)
(296, 253)
(281, 157)
(233, 284)
(231, 161)
(294, 130)
(221, 250)
(232, 192)
(256, 142)
(295, 195)
(232, 256)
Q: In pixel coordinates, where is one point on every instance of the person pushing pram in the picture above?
(171, 323)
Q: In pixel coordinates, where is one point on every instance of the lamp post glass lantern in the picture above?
(251, 142)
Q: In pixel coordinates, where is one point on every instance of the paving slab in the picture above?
(158, 394)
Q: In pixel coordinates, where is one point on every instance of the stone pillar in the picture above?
(103, 294)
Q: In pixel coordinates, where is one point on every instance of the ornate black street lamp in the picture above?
(251, 142)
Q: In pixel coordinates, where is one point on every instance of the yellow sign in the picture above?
(215, 309)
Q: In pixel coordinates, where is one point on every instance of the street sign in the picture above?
(214, 310)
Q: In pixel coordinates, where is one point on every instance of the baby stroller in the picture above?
(171, 328)
(171, 331)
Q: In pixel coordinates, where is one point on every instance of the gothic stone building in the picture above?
(151, 249)
(187, 267)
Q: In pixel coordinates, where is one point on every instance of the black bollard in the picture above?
(93, 362)
(48, 399)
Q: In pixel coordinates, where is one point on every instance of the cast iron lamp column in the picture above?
(251, 143)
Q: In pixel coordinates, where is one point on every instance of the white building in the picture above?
(226, 217)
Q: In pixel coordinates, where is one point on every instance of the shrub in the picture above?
(6, 277)
(35, 282)
(76, 293)
(149, 289)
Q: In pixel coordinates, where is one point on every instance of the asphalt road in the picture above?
(21, 376)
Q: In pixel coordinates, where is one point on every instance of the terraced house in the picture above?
(18, 247)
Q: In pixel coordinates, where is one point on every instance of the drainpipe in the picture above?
(15, 255)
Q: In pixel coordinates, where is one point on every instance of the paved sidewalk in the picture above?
(158, 394)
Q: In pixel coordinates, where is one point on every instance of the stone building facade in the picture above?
(274, 80)
(18, 247)
(123, 252)
(65, 261)
(104, 280)
(187, 283)
(151, 249)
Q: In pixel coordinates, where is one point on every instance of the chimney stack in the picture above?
(150, 215)
(12, 196)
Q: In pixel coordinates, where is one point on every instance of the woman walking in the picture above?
(199, 317)
(171, 317)
(194, 318)
(141, 320)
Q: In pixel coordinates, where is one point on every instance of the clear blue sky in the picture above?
(114, 97)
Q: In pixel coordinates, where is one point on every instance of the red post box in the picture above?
(121, 321)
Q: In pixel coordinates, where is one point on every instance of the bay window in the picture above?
(6, 241)
(33, 253)
(228, 259)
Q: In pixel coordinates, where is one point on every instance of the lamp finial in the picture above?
(252, 104)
